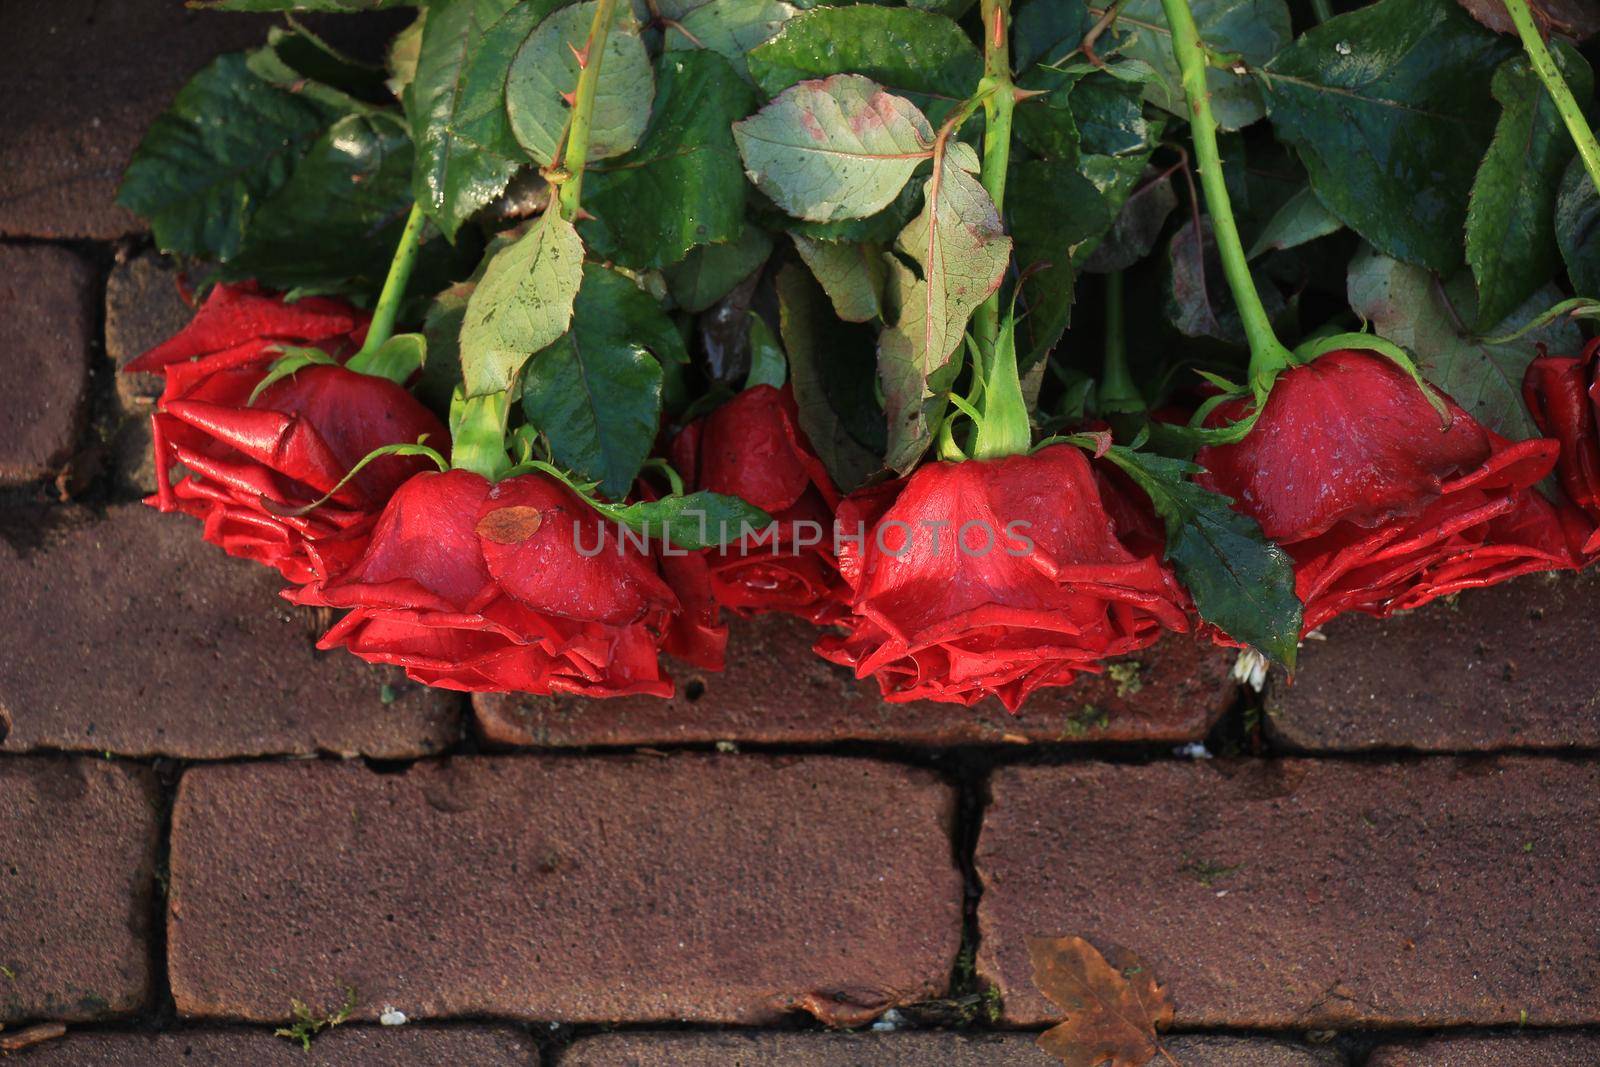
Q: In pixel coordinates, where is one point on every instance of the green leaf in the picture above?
(913, 391)
(596, 392)
(1252, 29)
(523, 303)
(1241, 583)
(831, 371)
(879, 228)
(708, 273)
(339, 6)
(692, 521)
(1045, 31)
(730, 28)
(546, 68)
(1053, 211)
(197, 177)
(1578, 228)
(1389, 109)
(441, 328)
(684, 185)
(851, 274)
(300, 62)
(1511, 232)
(962, 250)
(400, 58)
(1301, 219)
(1141, 218)
(456, 103)
(1410, 307)
(839, 148)
(339, 215)
(767, 363)
(920, 54)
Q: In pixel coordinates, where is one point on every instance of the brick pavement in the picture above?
(1410, 840)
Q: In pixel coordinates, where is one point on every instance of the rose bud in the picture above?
(1382, 508)
(518, 585)
(752, 447)
(994, 577)
(1563, 394)
(251, 463)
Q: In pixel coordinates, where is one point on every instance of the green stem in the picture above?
(998, 104)
(576, 152)
(1118, 393)
(1544, 65)
(1002, 428)
(1267, 353)
(394, 287)
(1321, 10)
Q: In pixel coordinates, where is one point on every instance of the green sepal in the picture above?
(293, 359)
(478, 433)
(416, 448)
(1320, 346)
(397, 359)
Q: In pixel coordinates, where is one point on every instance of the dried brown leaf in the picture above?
(1114, 1006)
(33, 1035)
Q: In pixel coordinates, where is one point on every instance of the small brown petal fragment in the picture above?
(510, 526)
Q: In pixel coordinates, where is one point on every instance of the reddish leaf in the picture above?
(1578, 19)
(1114, 1007)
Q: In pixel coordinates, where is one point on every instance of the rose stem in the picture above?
(997, 109)
(1321, 10)
(575, 153)
(1117, 393)
(478, 428)
(1003, 429)
(1267, 353)
(1544, 65)
(394, 288)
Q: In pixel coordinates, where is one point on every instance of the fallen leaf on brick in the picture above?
(1114, 1006)
(33, 1035)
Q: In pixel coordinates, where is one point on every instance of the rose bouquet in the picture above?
(572, 331)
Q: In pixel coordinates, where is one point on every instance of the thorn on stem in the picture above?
(580, 54)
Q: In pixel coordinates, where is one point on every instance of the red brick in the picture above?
(1494, 668)
(1307, 894)
(77, 874)
(45, 334)
(344, 1046)
(1523, 1050)
(775, 690)
(898, 1050)
(706, 888)
(131, 635)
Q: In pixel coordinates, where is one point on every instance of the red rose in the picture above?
(1564, 396)
(1057, 590)
(518, 585)
(752, 448)
(298, 439)
(1381, 509)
